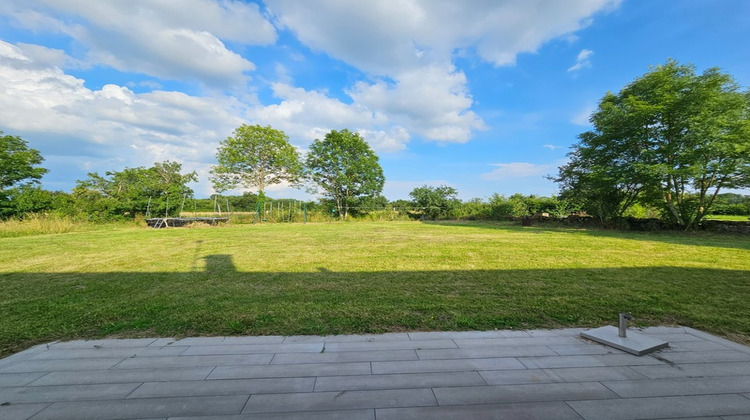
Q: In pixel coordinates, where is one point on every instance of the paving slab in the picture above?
(610, 359)
(446, 365)
(123, 376)
(94, 344)
(143, 408)
(229, 349)
(346, 338)
(59, 365)
(688, 386)
(108, 352)
(193, 361)
(223, 387)
(19, 395)
(534, 411)
(485, 352)
(692, 370)
(396, 381)
(463, 335)
(19, 379)
(581, 349)
(662, 407)
(340, 400)
(24, 355)
(345, 356)
(473, 374)
(20, 411)
(290, 371)
(368, 414)
(391, 345)
(492, 394)
(589, 374)
(517, 341)
(705, 356)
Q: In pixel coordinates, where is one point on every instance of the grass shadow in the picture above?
(220, 300)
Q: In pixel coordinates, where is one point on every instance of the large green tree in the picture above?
(345, 169)
(160, 188)
(671, 138)
(256, 157)
(19, 169)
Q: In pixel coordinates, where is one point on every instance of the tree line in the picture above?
(668, 145)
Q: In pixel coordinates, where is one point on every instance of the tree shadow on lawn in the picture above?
(691, 238)
(220, 300)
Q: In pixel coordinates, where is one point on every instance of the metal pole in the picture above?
(623, 327)
(182, 207)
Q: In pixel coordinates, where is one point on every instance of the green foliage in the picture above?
(29, 199)
(345, 169)
(671, 139)
(256, 157)
(18, 169)
(731, 204)
(519, 205)
(132, 191)
(474, 209)
(18, 162)
(435, 202)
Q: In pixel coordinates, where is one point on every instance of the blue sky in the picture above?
(486, 96)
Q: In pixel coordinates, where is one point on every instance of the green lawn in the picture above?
(729, 218)
(364, 277)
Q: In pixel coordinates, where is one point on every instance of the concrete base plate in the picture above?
(635, 343)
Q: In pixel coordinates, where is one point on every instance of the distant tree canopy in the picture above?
(672, 139)
(435, 202)
(256, 157)
(345, 169)
(128, 192)
(19, 170)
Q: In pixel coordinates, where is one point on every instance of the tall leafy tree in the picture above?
(129, 192)
(19, 168)
(671, 138)
(345, 169)
(256, 157)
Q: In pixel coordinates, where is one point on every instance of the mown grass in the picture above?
(728, 217)
(333, 278)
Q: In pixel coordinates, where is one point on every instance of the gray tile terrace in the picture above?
(471, 375)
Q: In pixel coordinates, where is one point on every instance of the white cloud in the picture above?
(306, 115)
(407, 47)
(582, 61)
(432, 101)
(77, 124)
(505, 171)
(394, 35)
(168, 38)
(552, 147)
